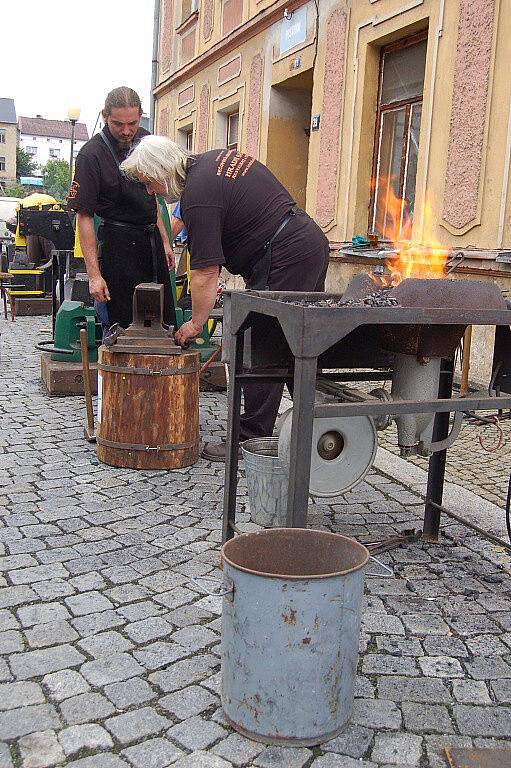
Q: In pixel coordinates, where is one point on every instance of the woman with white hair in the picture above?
(238, 216)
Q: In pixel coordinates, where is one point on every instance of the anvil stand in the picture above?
(304, 380)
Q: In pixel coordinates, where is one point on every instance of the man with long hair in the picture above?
(132, 245)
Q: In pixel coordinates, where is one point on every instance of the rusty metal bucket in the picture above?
(290, 633)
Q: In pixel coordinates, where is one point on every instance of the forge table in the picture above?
(289, 342)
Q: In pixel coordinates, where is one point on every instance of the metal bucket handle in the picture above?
(388, 572)
(227, 592)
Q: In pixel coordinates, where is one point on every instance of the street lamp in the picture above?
(73, 114)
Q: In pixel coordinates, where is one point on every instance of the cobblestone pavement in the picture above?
(110, 652)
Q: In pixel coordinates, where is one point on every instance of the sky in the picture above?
(64, 53)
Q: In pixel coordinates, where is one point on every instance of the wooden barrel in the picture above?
(148, 409)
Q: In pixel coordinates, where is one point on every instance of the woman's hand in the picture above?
(98, 289)
(187, 333)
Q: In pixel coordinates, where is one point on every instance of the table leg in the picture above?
(301, 441)
(436, 470)
(236, 346)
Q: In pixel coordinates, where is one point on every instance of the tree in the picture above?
(56, 178)
(25, 166)
(17, 190)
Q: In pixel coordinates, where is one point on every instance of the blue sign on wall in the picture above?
(293, 31)
(33, 181)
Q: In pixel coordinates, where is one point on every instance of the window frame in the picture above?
(3, 164)
(228, 117)
(2, 136)
(381, 110)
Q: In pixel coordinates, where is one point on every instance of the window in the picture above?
(54, 152)
(189, 141)
(232, 130)
(2, 136)
(60, 141)
(32, 151)
(398, 118)
(2, 163)
(187, 8)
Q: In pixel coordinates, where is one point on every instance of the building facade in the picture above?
(47, 140)
(357, 106)
(8, 142)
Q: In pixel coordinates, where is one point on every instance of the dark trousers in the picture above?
(262, 401)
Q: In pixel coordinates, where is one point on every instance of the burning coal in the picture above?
(409, 258)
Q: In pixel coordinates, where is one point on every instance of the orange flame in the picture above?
(410, 258)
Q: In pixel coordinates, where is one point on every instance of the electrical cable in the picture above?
(508, 509)
(316, 3)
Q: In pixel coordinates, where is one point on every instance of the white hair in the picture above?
(156, 158)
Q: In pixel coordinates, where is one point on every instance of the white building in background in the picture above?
(47, 140)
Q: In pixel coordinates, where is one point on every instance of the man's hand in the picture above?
(169, 255)
(187, 333)
(98, 289)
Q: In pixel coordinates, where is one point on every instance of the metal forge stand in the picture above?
(289, 342)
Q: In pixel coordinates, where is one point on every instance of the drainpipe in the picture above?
(154, 68)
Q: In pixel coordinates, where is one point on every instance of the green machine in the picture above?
(65, 346)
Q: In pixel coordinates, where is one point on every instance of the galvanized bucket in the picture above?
(290, 633)
(267, 481)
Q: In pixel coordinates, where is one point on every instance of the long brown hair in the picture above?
(121, 97)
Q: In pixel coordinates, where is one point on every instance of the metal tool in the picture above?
(88, 430)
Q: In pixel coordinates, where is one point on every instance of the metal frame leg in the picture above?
(236, 347)
(436, 469)
(301, 441)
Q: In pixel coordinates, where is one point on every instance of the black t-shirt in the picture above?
(231, 206)
(99, 187)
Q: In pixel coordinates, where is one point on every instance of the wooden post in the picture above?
(465, 366)
(89, 428)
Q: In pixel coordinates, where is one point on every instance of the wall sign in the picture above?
(315, 122)
(293, 31)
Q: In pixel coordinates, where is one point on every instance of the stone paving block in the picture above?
(426, 718)
(397, 748)
(353, 742)
(473, 625)
(440, 666)
(501, 689)
(488, 668)
(20, 722)
(483, 721)
(238, 750)
(43, 635)
(88, 736)
(105, 760)
(5, 756)
(37, 573)
(376, 713)
(153, 753)
(105, 644)
(42, 613)
(41, 750)
(140, 611)
(54, 589)
(136, 725)
(471, 691)
(37, 663)
(97, 622)
(157, 655)
(8, 621)
(397, 646)
(332, 761)
(87, 602)
(111, 669)
(445, 646)
(85, 707)
(188, 702)
(196, 733)
(12, 596)
(13, 695)
(428, 690)
(383, 664)
(127, 593)
(202, 760)
(62, 685)
(88, 582)
(134, 691)
(425, 624)
(10, 642)
(382, 624)
(151, 628)
(184, 673)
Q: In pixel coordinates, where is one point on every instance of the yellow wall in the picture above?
(370, 25)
